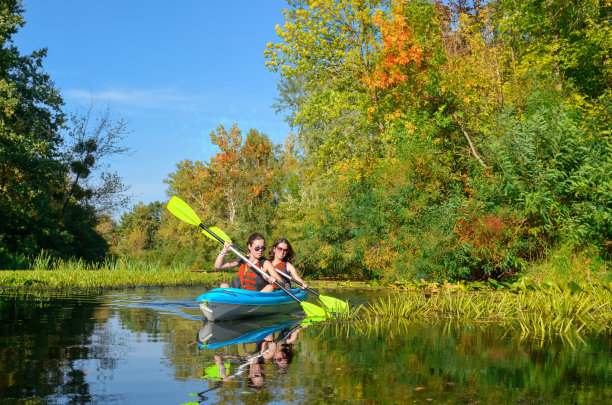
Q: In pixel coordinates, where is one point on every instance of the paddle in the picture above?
(182, 211)
(331, 304)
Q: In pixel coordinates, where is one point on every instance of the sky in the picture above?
(174, 71)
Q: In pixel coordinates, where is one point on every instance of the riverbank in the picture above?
(77, 279)
(528, 308)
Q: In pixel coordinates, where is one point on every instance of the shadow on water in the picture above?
(152, 346)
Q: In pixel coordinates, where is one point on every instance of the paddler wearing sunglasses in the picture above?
(249, 279)
(282, 255)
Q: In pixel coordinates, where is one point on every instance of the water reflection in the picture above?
(243, 348)
(151, 346)
(44, 339)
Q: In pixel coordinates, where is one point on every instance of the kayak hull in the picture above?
(224, 304)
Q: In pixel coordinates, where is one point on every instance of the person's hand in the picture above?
(226, 247)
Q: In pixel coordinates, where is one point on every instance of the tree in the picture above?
(239, 189)
(138, 229)
(30, 120)
(88, 145)
(328, 50)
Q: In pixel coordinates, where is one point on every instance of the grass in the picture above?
(565, 263)
(534, 310)
(526, 307)
(75, 279)
(56, 274)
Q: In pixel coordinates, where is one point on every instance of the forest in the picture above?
(436, 140)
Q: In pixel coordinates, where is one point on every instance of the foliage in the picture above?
(30, 119)
(239, 190)
(469, 141)
(138, 229)
(459, 140)
(38, 197)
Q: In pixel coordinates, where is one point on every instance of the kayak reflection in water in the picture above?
(270, 350)
(249, 279)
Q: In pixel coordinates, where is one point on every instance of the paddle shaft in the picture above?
(264, 275)
(287, 276)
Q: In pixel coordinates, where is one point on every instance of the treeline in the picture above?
(437, 140)
(459, 140)
(54, 182)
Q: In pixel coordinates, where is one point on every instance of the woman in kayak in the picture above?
(282, 255)
(249, 279)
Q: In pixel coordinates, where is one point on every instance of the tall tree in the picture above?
(328, 48)
(89, 143)
(30, 120)
(238, 189)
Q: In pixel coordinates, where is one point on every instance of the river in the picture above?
(152, 346)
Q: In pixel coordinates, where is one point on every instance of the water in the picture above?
(149, 347)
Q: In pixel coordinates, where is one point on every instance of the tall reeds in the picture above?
(536, 312)
(49, 273)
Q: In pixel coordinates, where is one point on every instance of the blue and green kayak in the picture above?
(224, 304)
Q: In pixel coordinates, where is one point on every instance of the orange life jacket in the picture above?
(282, 267)
(249, 278)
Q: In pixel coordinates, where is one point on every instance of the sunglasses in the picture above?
(280, 249)
(259, 249)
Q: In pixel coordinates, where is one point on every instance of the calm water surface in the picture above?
(153, 347)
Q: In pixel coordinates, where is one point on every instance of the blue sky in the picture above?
(173, 70)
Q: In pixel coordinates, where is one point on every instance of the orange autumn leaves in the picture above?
(244, 175)
(400, 55)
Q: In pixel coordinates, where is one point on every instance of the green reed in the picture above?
(50, 273)
(538, 312)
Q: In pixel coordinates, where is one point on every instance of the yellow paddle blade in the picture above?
(334, 304)
(311, 320)
(182, 211)
(220, 234)
(312, 310)
(216, 232)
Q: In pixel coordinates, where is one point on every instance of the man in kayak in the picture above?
(248, 278)
(282, 254)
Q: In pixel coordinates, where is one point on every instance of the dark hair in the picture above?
(290, 256)
(250, 380)
(255, 236)
(289, 351)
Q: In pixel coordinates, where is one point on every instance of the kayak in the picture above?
(224, 304)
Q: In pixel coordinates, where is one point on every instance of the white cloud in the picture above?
(164, 98)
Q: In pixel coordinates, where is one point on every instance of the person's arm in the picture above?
(271, 271)
(294, 274)
(222, 368)
(220, 262)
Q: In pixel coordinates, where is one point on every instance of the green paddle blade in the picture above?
(334, 304)
(182, 211)
(312, 310)
(219, 233)
(311, 320)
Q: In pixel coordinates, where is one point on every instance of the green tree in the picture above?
(238, 190)
(37, 195)
(30, 120)
(328, 51)
(138, 228)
